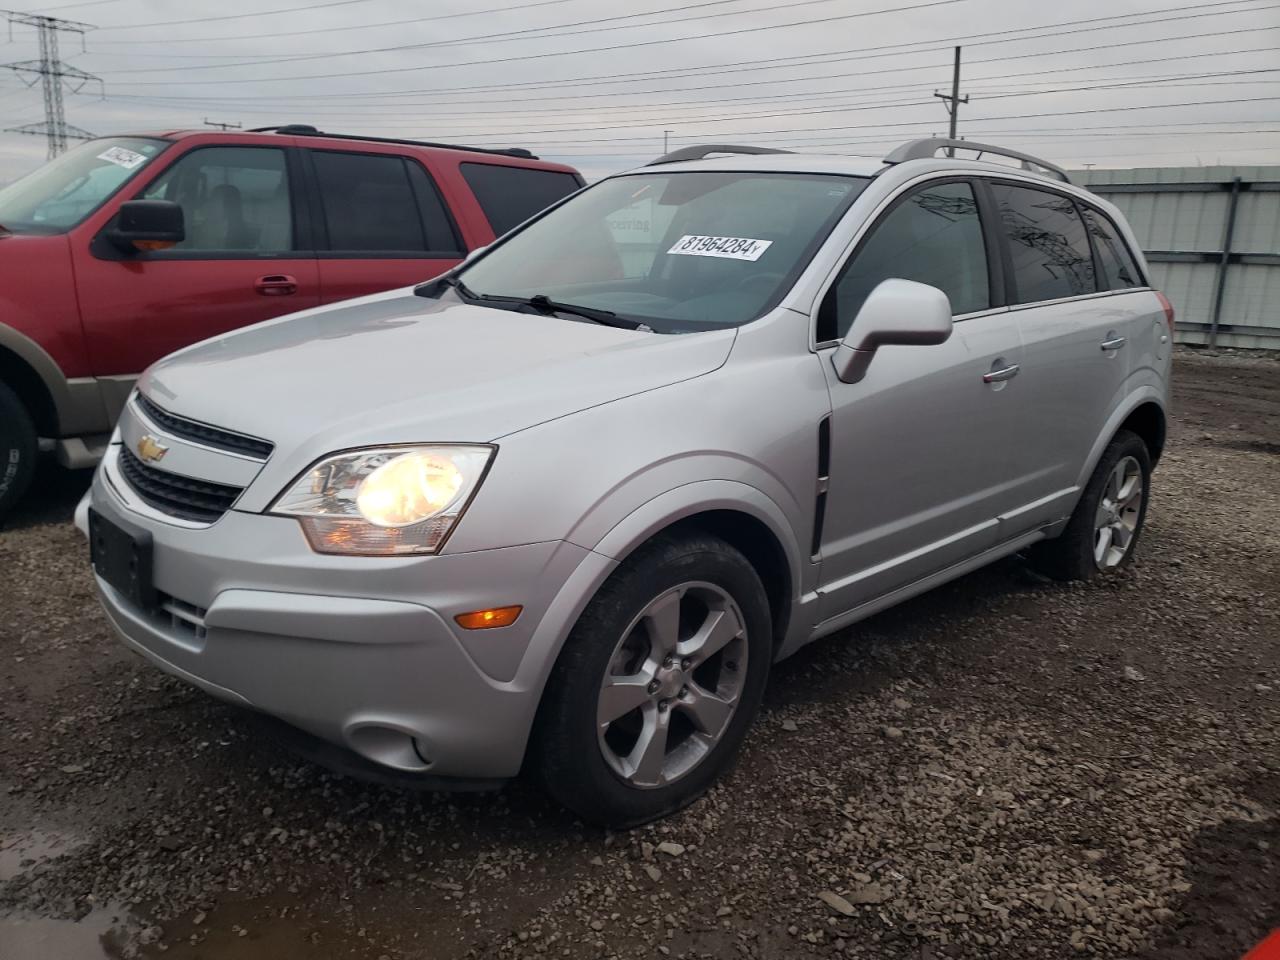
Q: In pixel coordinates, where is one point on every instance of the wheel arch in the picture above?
(1148, 421)
(1145, 413)
(31, 388)
(739, 514)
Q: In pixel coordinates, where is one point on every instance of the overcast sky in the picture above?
(597, 82)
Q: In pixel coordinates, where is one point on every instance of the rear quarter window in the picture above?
(1119, 269)
(1047, 243)
(511, 195)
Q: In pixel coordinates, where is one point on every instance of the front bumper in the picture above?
(359, 651)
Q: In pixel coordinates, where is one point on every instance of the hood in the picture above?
(397, 368)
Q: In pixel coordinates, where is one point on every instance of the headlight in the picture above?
(385, 502)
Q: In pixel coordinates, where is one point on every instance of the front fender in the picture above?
(625, 535)
(697, 497)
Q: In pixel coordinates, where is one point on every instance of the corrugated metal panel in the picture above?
(1195, 222)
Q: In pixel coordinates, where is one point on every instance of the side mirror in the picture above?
(472, 254)
(147, 225)
(897, 312)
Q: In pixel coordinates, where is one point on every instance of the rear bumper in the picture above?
(361, 652)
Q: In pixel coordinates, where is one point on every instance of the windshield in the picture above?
(676, 251)
(66, 190)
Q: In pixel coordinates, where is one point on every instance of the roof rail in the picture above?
(306, 130)
(703, 150)
(923, 149)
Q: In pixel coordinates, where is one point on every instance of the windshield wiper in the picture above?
(544, 304)
(540, 302)
(432, 289)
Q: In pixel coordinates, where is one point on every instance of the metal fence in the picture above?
(1212, 238)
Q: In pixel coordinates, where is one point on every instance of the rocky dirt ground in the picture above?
(1004, 768)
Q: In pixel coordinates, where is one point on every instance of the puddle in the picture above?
(98, 936)
(20, 852)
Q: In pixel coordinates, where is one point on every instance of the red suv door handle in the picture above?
(276, 285)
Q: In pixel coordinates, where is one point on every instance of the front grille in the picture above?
(197, 500)
(204, 434)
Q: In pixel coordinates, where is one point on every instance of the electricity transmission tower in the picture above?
(53, 75)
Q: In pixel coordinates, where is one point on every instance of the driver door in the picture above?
(240, 263)
(920, 447)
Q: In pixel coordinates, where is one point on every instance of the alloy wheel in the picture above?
(672, 685)
(1119, 512)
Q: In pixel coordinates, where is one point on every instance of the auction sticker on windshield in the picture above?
(732, 248)
(122, 157)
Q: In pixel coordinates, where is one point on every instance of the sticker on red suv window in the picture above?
(732, 248)
(122, 157)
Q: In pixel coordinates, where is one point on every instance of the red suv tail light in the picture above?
(1168, 310)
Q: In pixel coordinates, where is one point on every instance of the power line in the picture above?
(672, 106)
(912, 123)
(243, 16)
(400, 105)
(866, 53)
(560, 53)
(848, 106)
(505, 36)
(67, 6)
(532, 33)
(344, 28)
(757, 65)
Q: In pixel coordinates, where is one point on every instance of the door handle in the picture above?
(1004, 373)
(1114, 343)
(276, 285)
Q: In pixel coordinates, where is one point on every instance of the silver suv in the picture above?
(563, 507)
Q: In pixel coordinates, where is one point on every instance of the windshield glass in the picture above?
(66, 190)
(676, 251)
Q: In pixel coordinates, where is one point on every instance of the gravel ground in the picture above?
(1003, 768)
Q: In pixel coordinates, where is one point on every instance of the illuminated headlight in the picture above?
(389, 501)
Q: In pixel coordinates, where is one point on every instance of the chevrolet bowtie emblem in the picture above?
(151, 449)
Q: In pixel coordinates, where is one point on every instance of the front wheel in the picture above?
(17, 449)
(657, 684)
(1102, 534)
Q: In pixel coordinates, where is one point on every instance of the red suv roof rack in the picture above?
(306, 130)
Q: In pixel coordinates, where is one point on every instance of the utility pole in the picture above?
(665, 135)
(53, 75)
(222, 126)
(953, 102)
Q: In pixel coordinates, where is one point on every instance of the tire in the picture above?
(688, 588)
(17, 450)
(1077, 554)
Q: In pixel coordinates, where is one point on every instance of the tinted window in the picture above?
(511, 195)
(368, 203)
(1050, 252)
(441, 235)
(232, 198)
(1119, 270)
(932, 236)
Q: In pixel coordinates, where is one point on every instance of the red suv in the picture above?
(128, 248)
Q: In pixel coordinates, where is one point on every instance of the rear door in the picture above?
(245, 259)
(1075, 339)
(381, 221)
